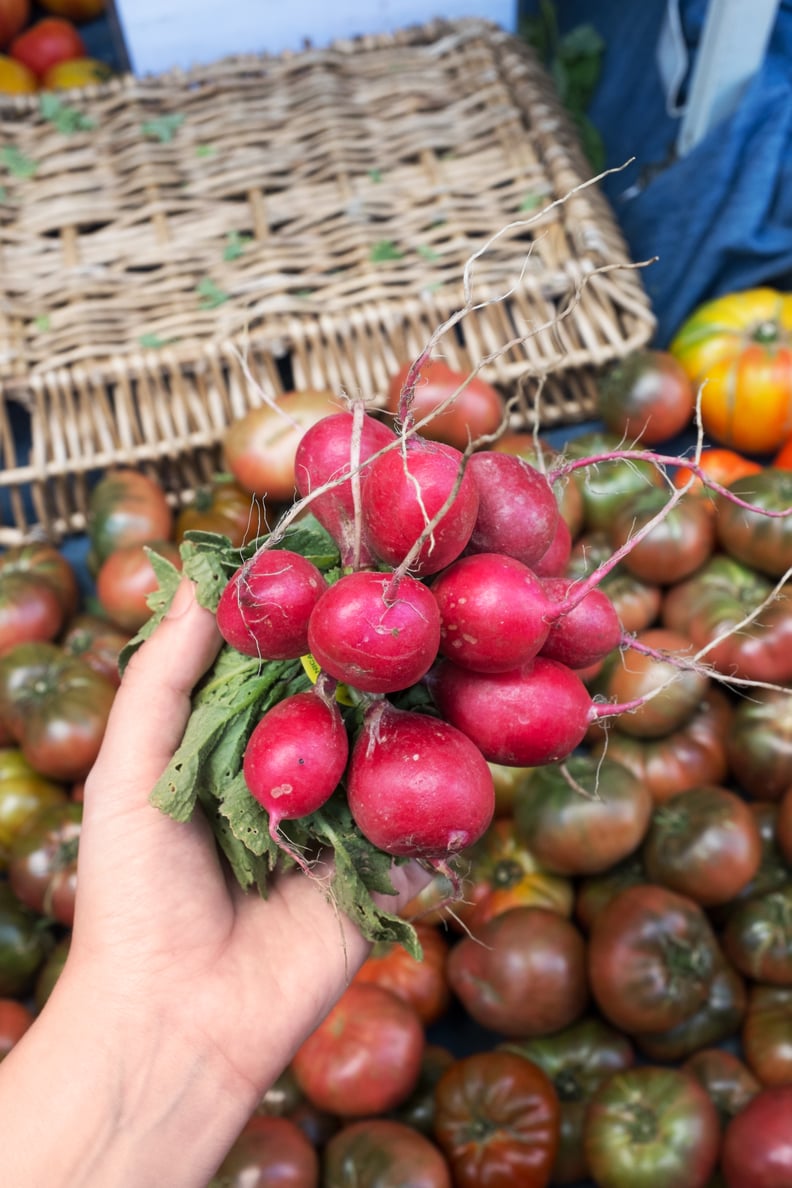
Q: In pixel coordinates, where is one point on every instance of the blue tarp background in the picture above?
(720, 218)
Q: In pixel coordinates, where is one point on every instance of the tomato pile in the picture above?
(608, 929)
(42, 47)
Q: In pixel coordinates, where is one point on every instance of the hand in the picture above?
(199, 992)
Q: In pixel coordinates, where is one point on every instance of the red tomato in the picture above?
(757, 1152)
(127, 578)
(651, 957)
(651, 1128)
(522, 974)
(721, 465)
(675, 547)
(364, 1058)
(421, 983)
(260, 447)
(476, 410)
(47, 42)
(727, 1079)
(381, 1151)
(646, 397)
(15, 1018)
(56, 707)
(14, 15)
(767, 1034)
(270, 1152)
(497, 1120)
(98, 642)
(126, 507)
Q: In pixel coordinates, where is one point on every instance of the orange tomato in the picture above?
(47, 42)
(738, 348)
(75, 72)
(16, 79)
(783, 459)
(14, 15)
(721, 465)
(75, 10)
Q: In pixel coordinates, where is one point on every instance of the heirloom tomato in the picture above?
(652, 955)
(717, 1019)
(645, 397)
(269, 1152)
(23, 793)
(497, 1120)
(606, 484)
(42, 867)
(418, 1110)
(381, 1153)
(98, 642)
(767, 1034)
(759, 540)
(56, 707)
(477, 408)
(759, 743)
(757, 1152)
(38, 593)
(126, 507)
(15, 1018)
(24, 946)
(719, 465)
(46, 42)
(583, 816)
(674, 547)
(737, 349)
(726, 1078)
(577, 1060)
(637, 604)
(651, 1127)
(420, 982)
(773, 870)
(757, 937)
(225, 508)
(364, 1058)
(126, 579)
(595, 891)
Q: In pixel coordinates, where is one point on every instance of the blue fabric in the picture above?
(720, 218)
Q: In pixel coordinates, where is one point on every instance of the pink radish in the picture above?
(404, 490)
(327, 451)
(295, 758)
(493, 612)
(554, 561)
(264, 609)
(374, 631)
(518, 511)
(584, 634)
(416, 786)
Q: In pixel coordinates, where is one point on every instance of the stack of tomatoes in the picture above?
(42, 47)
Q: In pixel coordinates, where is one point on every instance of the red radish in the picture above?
(554, 561)
(416, 786)
(339, 445)
(295, 758)
(493, 612)
(404, 491)
(527, 717)
(374, 631)
(265, 608)
(518, 511)
(586, 633)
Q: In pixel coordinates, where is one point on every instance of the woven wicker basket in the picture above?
(176, 249)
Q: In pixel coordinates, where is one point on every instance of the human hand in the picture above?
(194, 985)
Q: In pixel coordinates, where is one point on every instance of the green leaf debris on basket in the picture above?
(162, 128)
(235, 245)
(210, 294)
(63, 116)
(16, 162)
(205, 774)
(384, 250)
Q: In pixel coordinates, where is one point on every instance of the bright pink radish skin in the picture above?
(527, 717)
(265, 608)
(416, 786)
(554, 562)
(493, 612)
(326, 452)
(404, 490)
(587, 632)
(375, 632)
(518, 511)
(295, 758)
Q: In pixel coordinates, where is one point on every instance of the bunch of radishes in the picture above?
(452, 580)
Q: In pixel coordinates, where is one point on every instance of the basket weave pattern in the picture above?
(193, 243)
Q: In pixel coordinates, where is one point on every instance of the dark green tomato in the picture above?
(637, 603)
(56, 706)
(704, 843)
(596, 891)
(23, 792)
(646, 397)
(758, 936)
(606, 484)
(98, 642)
(767, 1034)
(651, 1128)
(383, 1153)
(42, 868)
(773, 869)
(283, 1096)
(712, 602)
(717, 1019)
(24, 945)
(759, 744)
(583, 816)
(726, 1078)
(674, 548)
(126, 507)
(763, 542)
(269, 1152)
(652, 955)
(577, 1060)
(497, 1121)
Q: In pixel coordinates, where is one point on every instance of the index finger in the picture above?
(152, 705)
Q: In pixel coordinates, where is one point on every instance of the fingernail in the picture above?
(182, 600)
